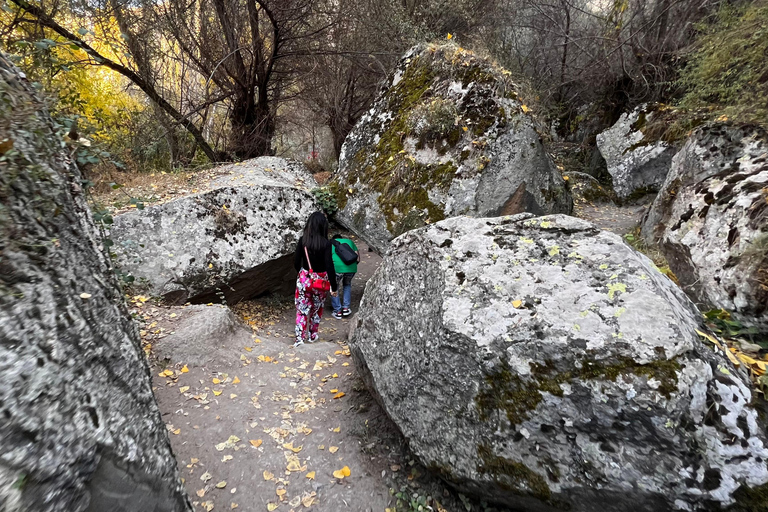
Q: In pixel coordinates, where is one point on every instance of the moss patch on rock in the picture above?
(511, 475)
(419, 108)
(516, 396)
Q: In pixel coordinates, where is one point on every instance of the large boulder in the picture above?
(637, 166)
(234, 241)
(711, 220)
(448, 136)
(546, 365)
(80, 428)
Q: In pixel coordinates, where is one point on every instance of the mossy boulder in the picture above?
(448, 136)
(234, 240)
(711, 220)
(545, 365)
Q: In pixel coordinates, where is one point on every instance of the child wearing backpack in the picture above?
(345, 259)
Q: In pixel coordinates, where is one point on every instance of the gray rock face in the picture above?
(237, 239)
(80, 428)
(636, 167)
(546, 365)
(711, 221)
(448, 136)
(205, 335)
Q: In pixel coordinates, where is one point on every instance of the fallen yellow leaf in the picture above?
(307, 501)
(517, 304)
(337, 429)
(280, 492)
(333, 449)
(235, 381)
(183, 389)
(200, 493)
(232, 396)
(271, 506)
(339, 394)
(267, 475)
(255, 443)
(293, 465)
(248, 349)
(334, 391)
(525, 108)
(184, 369)
(217, 393)
(221, 484)
(216, 381)
(311, 475)
(177, 431)
(289, 446)
(343, 472)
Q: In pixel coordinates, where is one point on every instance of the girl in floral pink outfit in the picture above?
(313, 261)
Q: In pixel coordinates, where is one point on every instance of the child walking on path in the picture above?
(344, 274)
(314, 263)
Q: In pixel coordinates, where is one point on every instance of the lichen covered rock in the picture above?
(448, 136)
(545, 365)
(711, 220)
(637, 166)
(80, 428)
(235, 240)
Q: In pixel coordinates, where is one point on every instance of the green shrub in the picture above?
(727, 73)
(326, 199)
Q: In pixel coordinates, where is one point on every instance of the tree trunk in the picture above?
(81, 430)
(253, 127)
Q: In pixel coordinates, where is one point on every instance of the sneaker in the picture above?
(346, 312)
(313, 338)
(298, 343)
(337, 315)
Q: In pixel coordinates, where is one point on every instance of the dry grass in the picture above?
(148, 188)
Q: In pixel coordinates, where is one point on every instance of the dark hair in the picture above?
(337, 236)
(315, 235)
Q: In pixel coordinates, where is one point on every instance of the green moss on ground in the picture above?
(508, 392)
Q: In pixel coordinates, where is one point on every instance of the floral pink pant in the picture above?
(309, 306)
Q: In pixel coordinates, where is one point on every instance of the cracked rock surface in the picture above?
(545, 365)
(711, 221)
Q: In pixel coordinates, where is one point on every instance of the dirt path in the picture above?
(265, 426)
(618, 219)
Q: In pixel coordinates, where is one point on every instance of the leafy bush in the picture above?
(326, 200)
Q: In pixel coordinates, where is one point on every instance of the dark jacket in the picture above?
(322, 261)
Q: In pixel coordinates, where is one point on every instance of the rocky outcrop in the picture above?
(711, 220)
(449, 136)
(637, 166)
(205, 335)
(546, 365)
(80, 428)
(234, 241)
